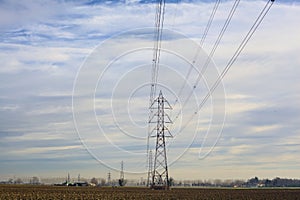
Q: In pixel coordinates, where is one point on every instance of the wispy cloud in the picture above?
(43, 45)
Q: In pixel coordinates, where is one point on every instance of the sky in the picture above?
(75, 84)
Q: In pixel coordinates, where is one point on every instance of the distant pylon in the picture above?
(150, 163)
(109, 179)
(68, 179)
(122, 170)
(160, 176)
(122, 181)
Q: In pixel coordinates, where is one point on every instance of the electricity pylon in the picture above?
(150, 165)
(160, 177)
(122, 180)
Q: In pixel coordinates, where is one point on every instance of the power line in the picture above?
(207, 28)
(159, 24)
(211, 54)
(209, 23)
(244, 42)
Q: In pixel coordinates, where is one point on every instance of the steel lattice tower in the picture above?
(122, 180)
(160, 177)
(150, 165)
(122, 170)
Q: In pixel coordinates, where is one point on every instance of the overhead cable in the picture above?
(211, 54)
(238, 51)
(209, 23)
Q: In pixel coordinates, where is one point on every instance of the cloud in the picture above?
(16, 13)
(42, 45)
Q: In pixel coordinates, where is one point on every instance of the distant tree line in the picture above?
(253, 182)
(276, 182)
(32, 181)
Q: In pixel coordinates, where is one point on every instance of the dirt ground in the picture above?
(60, 192)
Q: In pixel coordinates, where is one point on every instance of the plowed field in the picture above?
(57, 192)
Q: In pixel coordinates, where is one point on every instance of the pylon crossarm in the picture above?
(169, 120)
(151, 119)
(168, 105)
(155, 101)
(168, 132)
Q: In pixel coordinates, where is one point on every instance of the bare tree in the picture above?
(35, 180)
(102, 182)
(18, 181)
(94, 181)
